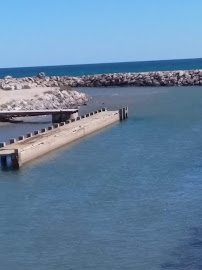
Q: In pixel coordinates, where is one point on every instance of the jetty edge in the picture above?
(154, 78)
(32, 146)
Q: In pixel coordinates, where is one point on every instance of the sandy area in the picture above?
(7, 96)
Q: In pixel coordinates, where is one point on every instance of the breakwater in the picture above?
(159, 78)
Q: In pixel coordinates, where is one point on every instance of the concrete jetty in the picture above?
(32, 146)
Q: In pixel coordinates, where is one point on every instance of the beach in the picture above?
(9, 95)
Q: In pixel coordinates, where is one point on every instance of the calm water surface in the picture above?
(128, 197)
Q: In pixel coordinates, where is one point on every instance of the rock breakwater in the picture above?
(160, 78)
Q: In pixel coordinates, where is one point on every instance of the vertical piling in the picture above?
(121, 114)
(3, 161)
(15, 160)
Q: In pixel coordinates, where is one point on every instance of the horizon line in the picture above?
(119, 62)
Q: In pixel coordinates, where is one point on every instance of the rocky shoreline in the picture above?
(59, 93)
(52, 99)
(159, 78)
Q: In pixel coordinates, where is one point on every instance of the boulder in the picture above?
(41, 75)
(8, 87)
(18, 87)
(26, 86)
(8, 77)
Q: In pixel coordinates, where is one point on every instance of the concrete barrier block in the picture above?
(43, 130)
(2, 144)
(36, 132)
(20, 138)
(12, 141)
(29, 135)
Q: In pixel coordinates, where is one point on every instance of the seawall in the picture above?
(160, 78)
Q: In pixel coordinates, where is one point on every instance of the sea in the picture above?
(128, 197)
(90, 69)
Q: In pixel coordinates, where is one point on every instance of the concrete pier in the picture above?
(41, 142)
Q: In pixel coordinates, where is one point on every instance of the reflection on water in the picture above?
(128, 197)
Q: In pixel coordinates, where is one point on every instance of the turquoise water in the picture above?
(79, 70)
(128, 197)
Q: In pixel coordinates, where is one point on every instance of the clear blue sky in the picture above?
(55, 32)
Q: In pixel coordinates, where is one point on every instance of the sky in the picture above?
(63, 32)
